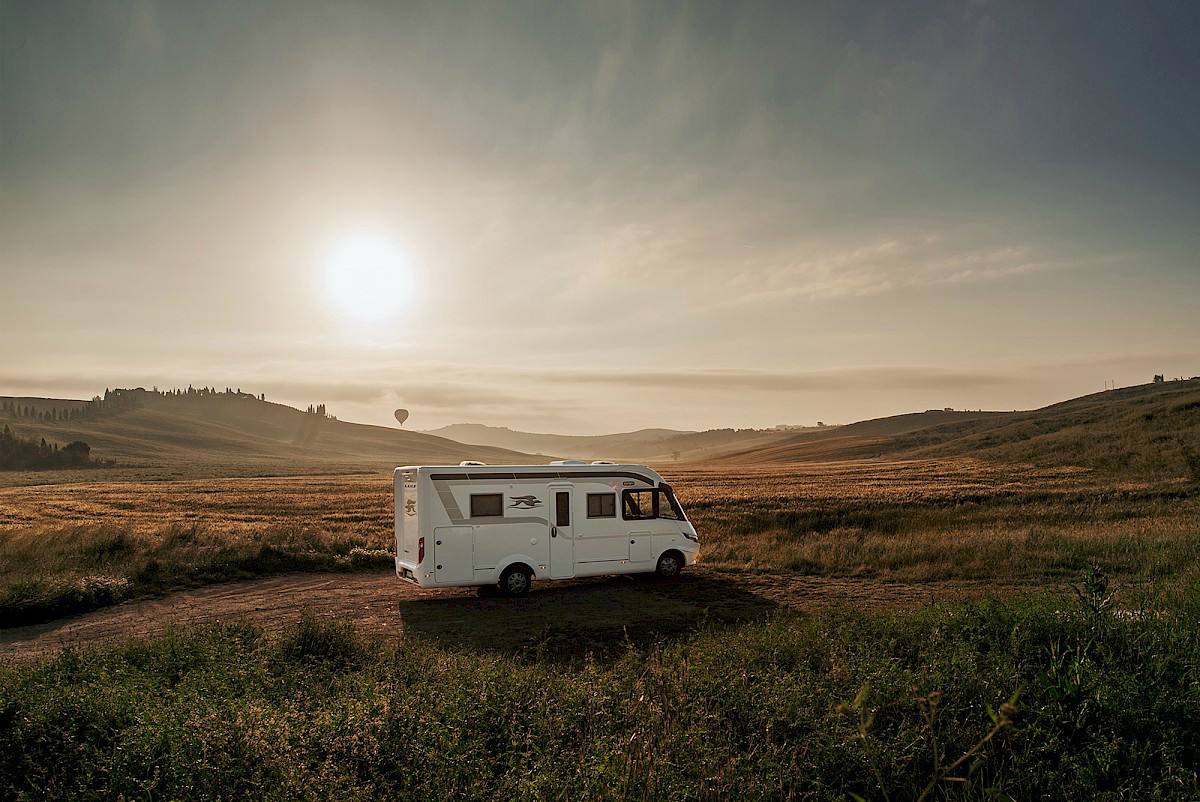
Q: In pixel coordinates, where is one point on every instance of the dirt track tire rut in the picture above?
(380, 604)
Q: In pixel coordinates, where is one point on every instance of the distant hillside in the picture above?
(644, 445)
(912, 422)
(1152, 431)
(569, 446)
(138, 427)
(1148, 431)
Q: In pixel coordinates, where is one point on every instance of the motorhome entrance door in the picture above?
(562, 532)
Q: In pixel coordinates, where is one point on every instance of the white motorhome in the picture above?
(476, 524)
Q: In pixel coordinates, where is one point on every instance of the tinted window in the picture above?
(602, 505)
(638, 504)
(487, 504)
(562, 509)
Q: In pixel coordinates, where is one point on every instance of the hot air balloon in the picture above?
(401, 416)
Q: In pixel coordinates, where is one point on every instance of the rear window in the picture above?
(487, 505)
(602, 505)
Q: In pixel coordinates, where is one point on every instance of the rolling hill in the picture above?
(143, 428)
(576, 447)
(1150, 430)
(644, 445)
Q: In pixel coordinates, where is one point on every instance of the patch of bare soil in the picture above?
(596, 614)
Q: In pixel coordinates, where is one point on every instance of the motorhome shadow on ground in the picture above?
(509, 524)
(593, 616)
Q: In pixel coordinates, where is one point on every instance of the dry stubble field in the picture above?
(867, 533)
(800, 660)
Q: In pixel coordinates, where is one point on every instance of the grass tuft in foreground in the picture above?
(834, 705)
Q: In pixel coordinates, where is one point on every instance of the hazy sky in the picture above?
(596, 217)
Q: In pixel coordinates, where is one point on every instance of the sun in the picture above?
(367, 278)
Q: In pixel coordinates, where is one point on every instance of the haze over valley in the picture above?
(1146, 431)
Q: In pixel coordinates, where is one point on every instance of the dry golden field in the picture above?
(72, 547)
(931, 520)
(231, 508)
(836, 604)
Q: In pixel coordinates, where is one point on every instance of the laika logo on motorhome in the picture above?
(525, 502)
(410, 507)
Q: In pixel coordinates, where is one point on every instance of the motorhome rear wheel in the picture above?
(516, 581)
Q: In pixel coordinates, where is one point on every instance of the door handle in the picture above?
(554, 531)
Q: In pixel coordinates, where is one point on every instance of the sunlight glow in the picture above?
(367, 278)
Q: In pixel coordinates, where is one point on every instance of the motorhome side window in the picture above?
(602, 505)
(487, 505)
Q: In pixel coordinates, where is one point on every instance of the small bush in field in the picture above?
(313, 641)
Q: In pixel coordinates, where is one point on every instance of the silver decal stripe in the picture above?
(448, 502)
(569, 475)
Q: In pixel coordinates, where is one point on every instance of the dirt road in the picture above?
(587, 613)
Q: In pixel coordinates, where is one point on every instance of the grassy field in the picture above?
(978, 700)
(72, 547)
(1087, 695)
(931, 520)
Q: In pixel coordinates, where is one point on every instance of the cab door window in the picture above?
(637, 504)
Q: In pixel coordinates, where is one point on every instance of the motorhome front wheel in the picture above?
(668, 565)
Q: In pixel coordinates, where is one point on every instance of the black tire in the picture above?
(669, 565)
(515, 581)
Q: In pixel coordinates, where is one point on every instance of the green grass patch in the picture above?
(1092, 698)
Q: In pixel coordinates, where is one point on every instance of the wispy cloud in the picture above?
(905, 263)
(720, 259)
(890, 377)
